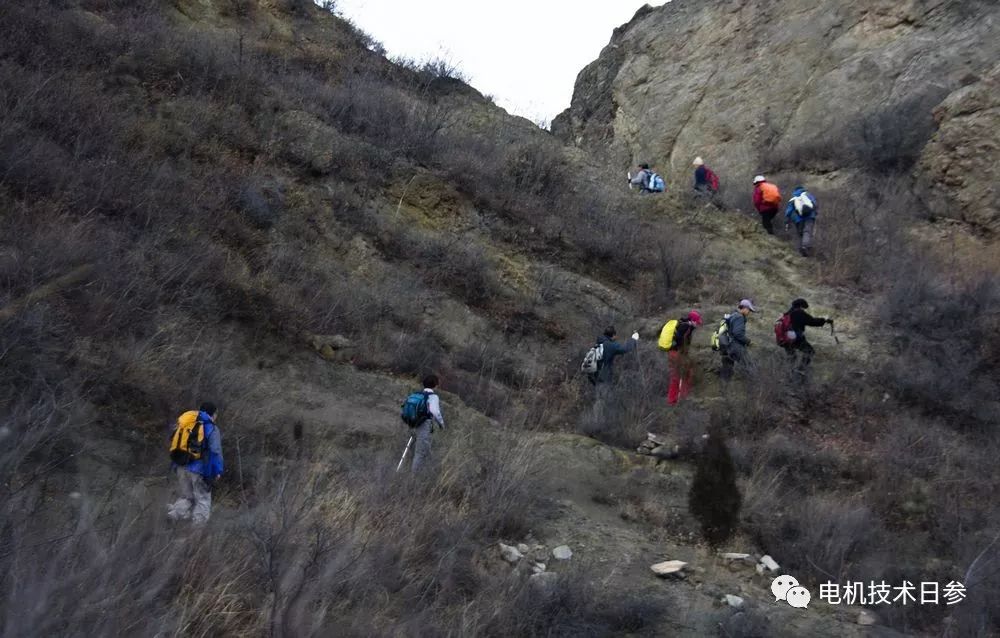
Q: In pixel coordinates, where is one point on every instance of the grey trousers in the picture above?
(421, 444)
(194, 500)
(805, 228)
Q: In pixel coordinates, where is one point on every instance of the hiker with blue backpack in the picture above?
(421, 412)
(648, 180)
(196, 459)
(801, 211)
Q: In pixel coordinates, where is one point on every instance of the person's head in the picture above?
(208, 408)
(759, 179)
(800, 188)
(746, 307)
(431, 381)
(610, 332)
(800, 303)
(694, 317)
(698, 162)
(644, 167)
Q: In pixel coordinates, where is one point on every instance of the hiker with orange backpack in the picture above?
(675, 338)
(196, 458)
(767, 201)
(706, 182)
(790, 333)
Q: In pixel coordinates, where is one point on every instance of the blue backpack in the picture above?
(415, 409)
(656, 183)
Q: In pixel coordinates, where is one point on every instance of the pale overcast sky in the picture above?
(526, 54)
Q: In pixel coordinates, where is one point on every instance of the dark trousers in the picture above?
(801, 352)
(767, 220)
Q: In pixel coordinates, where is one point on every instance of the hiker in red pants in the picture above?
(678, 360)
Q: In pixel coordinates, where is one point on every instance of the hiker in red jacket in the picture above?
(706, 182)
(678, 360)
(767, 201)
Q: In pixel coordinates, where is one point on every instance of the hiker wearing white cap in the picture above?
(767, 200)
(706, 182)
(733, 348)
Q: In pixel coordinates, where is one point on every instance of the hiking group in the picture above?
(801, 210)
(729, 339)
(196, 441)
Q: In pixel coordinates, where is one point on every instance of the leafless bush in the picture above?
(635, 403)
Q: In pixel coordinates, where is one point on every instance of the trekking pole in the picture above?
(405, 450)
(834, 334)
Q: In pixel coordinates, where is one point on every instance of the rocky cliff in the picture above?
(785, 86)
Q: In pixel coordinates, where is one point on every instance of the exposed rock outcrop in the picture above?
(785, 86)
(960, 168)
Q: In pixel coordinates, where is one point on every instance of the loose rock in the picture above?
(509, 553)
(668, 567)
(563, 552)
(769, 563)
(733, 601)
(538, 568)
(524, 549)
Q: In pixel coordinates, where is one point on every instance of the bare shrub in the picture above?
(635, 403)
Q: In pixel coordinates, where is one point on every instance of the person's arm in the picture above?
(758, 199)
(434, 407)
(789, 209)
(639, 179)
(215, 453)
(813, 321)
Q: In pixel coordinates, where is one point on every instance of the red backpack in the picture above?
(712, 179)
(782, 330)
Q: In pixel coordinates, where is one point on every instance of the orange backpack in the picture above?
(769, 194)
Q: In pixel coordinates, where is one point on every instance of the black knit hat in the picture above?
(800, 303)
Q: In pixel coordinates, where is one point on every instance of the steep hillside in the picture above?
(245, 201)
(831, 89)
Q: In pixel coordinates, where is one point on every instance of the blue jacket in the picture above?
(209, 465)
(792, 214)
(612, 349)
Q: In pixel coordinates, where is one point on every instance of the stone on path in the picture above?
(733, 601)
(563, 552)
(509, 553)
(668, 567)
(769, 562)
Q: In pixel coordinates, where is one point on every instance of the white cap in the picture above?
(698, 161)
(759, 179)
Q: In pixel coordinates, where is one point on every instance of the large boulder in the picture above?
(959, 169)
(785, 86)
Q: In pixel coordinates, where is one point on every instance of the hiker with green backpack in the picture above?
(421, 412)
(731, 339)
(196, 459)
(675, 338)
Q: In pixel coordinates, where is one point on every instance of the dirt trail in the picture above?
(589, 483)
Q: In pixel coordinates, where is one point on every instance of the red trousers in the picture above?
(681, 374)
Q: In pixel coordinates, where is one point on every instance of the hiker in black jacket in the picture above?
(800, 319)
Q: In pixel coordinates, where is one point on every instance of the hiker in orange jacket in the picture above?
(767, 201)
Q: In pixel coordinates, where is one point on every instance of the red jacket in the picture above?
(758, 201)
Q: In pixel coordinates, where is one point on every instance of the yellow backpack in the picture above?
(187, 443)
(666, 340)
